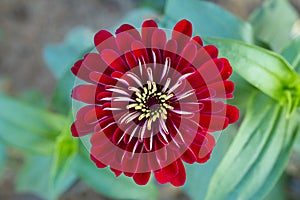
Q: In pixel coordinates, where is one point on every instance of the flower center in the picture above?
(151, 102)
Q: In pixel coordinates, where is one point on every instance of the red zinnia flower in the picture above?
(152, 101)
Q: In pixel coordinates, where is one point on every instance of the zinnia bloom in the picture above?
(152, 102)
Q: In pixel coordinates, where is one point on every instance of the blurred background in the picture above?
(27, 26)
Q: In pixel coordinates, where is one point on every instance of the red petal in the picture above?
(171, 170)
(179, 180)
(129, 29)
(159, 39)
(184, 27)
(188, 156)
(213, 122)
(105, 40)
(124, 41)
(139, 51)
(148, 27)
(131, 60)
(161, 177)
(86, 93)
(171, 50)
(232, 113)
(212, 51)
(100, 78)
(198, 40)
(227, 69)
(113, 59)
(211, 70)
(141, 178)
(98, 163)
(117, 172)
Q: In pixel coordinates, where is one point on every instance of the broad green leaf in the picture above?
(292, 54)
(66, 148)
(273, 22)
(34, 97)
(208, 19)
(242, 91)
(265, 70)
(60, 57)
(29, 128)
(258, 154)
(199, 175)
(35, 177)
(105, 182)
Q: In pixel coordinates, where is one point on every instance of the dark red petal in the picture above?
(182, 33)
(105, 40)
(212, 51)
(187, 56)
(81, 71)
(205, 150)
(118, 133)
(141, 178)
(159, 39)
(161, 177)
(98, 163)
(210, 107)
(131, 60)
(113, 59)
(74, 130)
(124, 41)
(117, 172)
(171, 50)
(198, 40)
(188, 156)
(94, 62)
(86, 93)
(171, 170)
(227, 69)
(102, 79)
(139, 51)
(179, 180)
(222, 88)
(148, 27)
(232, 113)
(213, 122)
(211, 70)
(184, 26)
(129, 29)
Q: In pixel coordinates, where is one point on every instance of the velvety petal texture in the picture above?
(152, 102)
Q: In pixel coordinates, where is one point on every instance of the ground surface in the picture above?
(28, 25)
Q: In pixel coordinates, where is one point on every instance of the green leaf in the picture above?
(35, 177)
(292, 54)
(105, 182)
(61, 101)
(258, 154)
(273, 22)
(276, 76)
(199, 175)
(34, 97)
(208, 19)
(60, 57)
(29, 128)
(66, 148)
